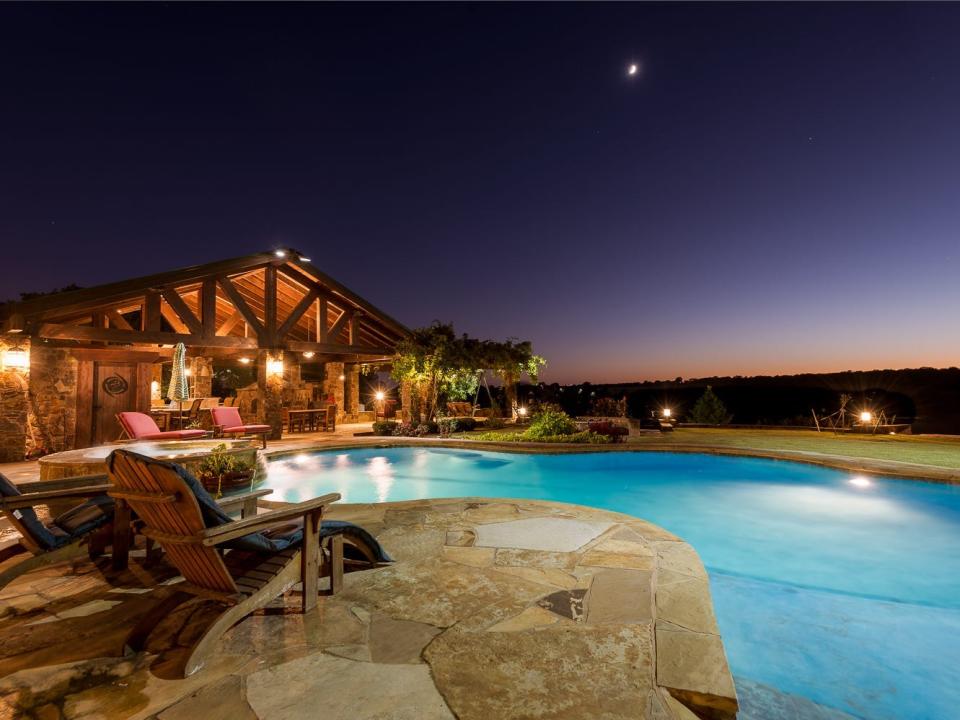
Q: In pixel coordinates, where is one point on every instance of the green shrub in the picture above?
(494, 423)
(499, 436)
(384, 427)
(550, 422)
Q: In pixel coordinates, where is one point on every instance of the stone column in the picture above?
(351, 392)
(270, 393)
(201, 376)
(14, 404)
(333, 385)
(156, 383)
(53, 400)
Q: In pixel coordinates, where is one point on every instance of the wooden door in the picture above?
(114, 391)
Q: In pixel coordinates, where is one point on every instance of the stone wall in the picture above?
(52, 415)
(14, 404)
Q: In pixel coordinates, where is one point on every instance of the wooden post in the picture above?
(208, 308)
(310, 559)
(270, 304)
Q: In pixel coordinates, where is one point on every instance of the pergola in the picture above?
(266, 307)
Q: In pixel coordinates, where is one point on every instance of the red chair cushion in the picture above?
(138, 425)
(174, 435)
(247, 429)
(226, 417)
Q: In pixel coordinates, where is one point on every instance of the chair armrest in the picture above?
(235, 500)
(41, 498)
(77, 481)
(217, 535)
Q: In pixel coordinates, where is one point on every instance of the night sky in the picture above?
(776, 190)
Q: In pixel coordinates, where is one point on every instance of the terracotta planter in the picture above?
(228, 481)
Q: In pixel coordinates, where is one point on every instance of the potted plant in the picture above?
(221, 469)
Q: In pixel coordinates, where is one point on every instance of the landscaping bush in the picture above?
(494, 423)
(385, 427)
(612, 430)
(575, 437)
(548, 423)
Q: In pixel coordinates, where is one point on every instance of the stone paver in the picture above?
(494, 609)
(553, 534)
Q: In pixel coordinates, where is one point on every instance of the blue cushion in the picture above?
(45, 538)
(82, 519)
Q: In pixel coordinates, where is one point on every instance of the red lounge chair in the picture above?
(227, 421)
(139, 426)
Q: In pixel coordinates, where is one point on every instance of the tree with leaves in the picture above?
(436, 363)
(709, 410)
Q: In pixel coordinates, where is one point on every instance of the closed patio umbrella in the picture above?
(179, 385)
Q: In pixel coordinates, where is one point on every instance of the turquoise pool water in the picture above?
(839, 588)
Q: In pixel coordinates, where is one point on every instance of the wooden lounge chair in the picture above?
(85, 529)
(227, 421)
(140, 426)
(266, 554)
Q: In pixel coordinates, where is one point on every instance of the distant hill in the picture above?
(929, 398)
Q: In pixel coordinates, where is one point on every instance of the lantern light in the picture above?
(380, 395)
(342, 377)
(280, 253)
(309, 354)
(667, 412)
(522, 411)
(275, 366)
(304, 259)
(16, 358)
(245, 360)
(866, 416)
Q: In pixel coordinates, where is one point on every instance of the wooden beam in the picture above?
(344, 318)
(299, 277)
(151, 312)
(352, 328)
(180, 307)
(270, 304)
(118, 320)
(91, 334)
(338, 348)
(230, 323)
(208, 307)
(322, 310)
(112, 293)
(173, 319)
(294, 317)
(240, 304)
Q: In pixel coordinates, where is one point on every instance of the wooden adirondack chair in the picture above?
(85, 529)
(261, 563)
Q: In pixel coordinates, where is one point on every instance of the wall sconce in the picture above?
(245, 360)
(342, 378)
(16, 358)
(275, 366)
(309, 354)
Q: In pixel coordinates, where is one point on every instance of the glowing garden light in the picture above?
(667, 412)
(380, 395)
(866, 416)
(522, 411)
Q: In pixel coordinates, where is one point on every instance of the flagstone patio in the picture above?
(494, 609)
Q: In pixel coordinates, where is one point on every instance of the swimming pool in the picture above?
(841, 589)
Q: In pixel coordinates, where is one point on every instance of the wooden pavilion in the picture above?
(69, 361)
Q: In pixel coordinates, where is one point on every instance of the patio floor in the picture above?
(494, 609)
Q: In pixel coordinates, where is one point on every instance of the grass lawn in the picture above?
(923, 450)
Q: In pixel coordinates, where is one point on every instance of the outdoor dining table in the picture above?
(309, 419)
